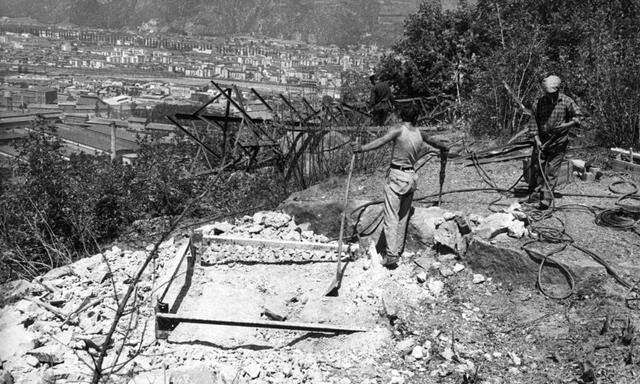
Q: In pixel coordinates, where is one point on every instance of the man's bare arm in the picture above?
(377, 143)
(438, 144)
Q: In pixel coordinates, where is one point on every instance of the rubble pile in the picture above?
(52, 326)
(268, 226)
(264, 225)
(220, 254)
(452, 231)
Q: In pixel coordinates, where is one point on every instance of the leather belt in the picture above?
(393, 166)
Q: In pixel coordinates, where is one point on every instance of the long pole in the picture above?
(113, 141)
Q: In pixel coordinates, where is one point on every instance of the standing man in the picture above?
(381, 101)
(401, 179)
(554, 114)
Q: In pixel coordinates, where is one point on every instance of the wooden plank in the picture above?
(624, 166)
(169, 320)
(625, 152)
(266, 243)
(167, 279)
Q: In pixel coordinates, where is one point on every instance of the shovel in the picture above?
(335, 284)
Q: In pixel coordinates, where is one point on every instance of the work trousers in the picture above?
(398, 196)
(551, 160)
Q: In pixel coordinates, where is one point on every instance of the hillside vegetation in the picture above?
(466, 56)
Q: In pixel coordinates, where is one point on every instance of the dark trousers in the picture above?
(550, 160)
(379, 117)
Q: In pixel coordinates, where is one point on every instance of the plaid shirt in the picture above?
(549, 115)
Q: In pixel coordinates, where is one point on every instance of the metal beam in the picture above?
(193, 137)
(263, 101)
(168, 321)
(244, 113)
(206, 105)
(292, 107)
(217, 118)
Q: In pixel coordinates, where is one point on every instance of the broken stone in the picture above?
(588, 176)
(447, 354)
(100, 274)
(478, 278)
(83, 266)
(31, 360)
(449, 215)
(421, 277)
(423, 223)
(276, 219)
(448, 236)
(49, 354)
(458, 268)
(405, 346)
(515, 359)
(272, 315)
(493, 225)
(196, 373)
(253, 370)
(57, 273)
(418, 352)
(446, 272)
(222, 227)
(578, 165)
(254, 229)
(517, 229)
(292, 236)
(436, 287)
(396, 378)
(445, 258)
(228, 373)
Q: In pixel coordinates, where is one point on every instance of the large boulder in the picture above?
(17, 289)
(514, 266)
(423, 224)
(323, 216)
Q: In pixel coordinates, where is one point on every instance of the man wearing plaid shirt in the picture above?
(554, 115)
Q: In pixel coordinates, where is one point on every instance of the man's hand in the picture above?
(538, 142)
(356, 147)
(568, 124)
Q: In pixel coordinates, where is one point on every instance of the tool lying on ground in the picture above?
(335, 284)
(444, 154)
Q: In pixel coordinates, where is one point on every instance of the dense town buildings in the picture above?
(238, 58)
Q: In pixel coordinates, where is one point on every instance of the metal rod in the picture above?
(196, 113)
(173, 319)
(192, 136)
(308, 104)
(244, 113)
(286, 101)
(263, 101)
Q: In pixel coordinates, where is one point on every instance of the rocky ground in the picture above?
(461, 308)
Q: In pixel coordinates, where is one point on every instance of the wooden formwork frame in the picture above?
(166, 314)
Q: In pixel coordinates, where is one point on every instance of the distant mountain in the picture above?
(340, 22)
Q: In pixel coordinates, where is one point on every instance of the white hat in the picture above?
(551, 84)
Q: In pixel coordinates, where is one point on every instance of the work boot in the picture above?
(390, 262)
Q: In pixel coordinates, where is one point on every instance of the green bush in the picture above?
(62, 206)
